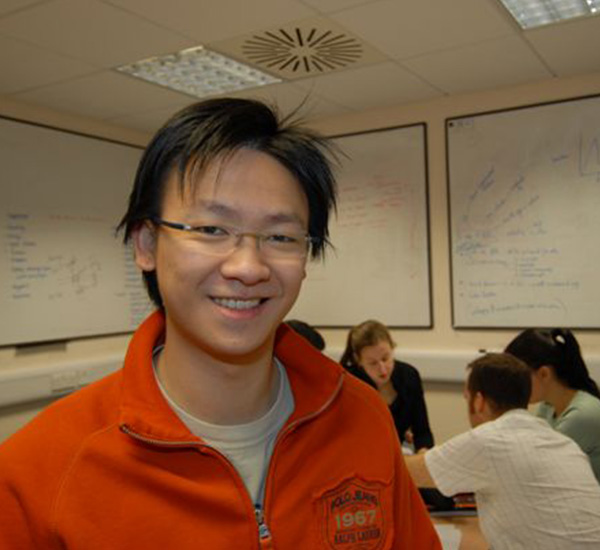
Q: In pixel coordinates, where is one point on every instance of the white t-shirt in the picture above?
(247, 446)
(534, 487)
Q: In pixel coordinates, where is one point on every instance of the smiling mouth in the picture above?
(237, 304)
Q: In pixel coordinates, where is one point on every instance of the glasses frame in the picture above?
(259, 237)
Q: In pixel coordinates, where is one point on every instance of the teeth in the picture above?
(236, 304)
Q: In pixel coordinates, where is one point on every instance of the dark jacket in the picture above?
(408, 409)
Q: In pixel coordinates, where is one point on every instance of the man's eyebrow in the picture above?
(218, 208)
(215, 207)
(284, 218)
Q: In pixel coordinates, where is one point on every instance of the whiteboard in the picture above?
(380, 265)
(524, 190)
(63, 272)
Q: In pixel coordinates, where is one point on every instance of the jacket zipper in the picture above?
(264, 533)
(263, 528)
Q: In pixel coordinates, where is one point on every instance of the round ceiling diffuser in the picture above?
(300, 50)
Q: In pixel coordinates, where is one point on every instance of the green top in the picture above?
(581, 422)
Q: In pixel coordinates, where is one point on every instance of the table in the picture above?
(471, 537)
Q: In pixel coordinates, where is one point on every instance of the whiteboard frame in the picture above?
(32, 344)
(493, 112)
(429, 295)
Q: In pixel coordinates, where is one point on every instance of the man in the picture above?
(534, 487)
(224, 429)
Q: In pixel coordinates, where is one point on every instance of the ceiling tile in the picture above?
(292, 98)
(216, 20)
(414, 27)
(103, 95)
(569, 48)
(91, 31)
(482, 66)
(23, 66)
(149, 121)
(328, 6)
(371, 87)
(8, 6)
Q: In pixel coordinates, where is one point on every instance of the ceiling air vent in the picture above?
(304, 51)
(300, 49)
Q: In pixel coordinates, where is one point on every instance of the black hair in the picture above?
(216, 128)
(502, 379)
(558, 349)
(310, 333)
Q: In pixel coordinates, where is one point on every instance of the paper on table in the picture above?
(449, 536)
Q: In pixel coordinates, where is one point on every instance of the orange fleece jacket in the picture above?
(112, 467)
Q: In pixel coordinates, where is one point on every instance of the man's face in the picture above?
(227, 305)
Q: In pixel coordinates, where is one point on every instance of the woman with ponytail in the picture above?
(570, 400)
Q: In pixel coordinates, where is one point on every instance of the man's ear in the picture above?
(544, 373)
(479, 403)
(144, 246)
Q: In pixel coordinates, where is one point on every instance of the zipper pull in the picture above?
(263, 529)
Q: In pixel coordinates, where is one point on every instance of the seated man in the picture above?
(534, 487)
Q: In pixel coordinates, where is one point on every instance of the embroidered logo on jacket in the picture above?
(353, 518)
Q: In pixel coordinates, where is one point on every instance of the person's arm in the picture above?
(417, 468)
(460, 465)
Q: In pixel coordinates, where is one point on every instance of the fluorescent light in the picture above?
(198, 72)
(535, 13)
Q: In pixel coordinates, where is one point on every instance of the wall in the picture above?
(13, 416)
(445, 402)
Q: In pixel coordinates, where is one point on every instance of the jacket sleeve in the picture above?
(16, 530)
(419, 417)
(413, 526)
(26, 489)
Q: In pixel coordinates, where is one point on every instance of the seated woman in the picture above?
(570, 400)
(369, 355)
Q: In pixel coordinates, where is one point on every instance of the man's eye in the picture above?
(283, 239)
(211, 231)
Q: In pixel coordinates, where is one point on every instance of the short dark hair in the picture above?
(216, 128)
(306, 331)
(502, 379)
(556, 348)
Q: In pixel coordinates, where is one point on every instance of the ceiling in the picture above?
(61, 54)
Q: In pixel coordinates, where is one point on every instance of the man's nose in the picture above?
(246, 262)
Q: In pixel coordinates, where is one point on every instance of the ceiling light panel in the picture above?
(536, 13)
(198, 72)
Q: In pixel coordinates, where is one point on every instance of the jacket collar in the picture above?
(314, 379)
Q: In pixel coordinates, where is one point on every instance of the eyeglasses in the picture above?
(222, 240)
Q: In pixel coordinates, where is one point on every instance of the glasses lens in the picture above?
(285, 246)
